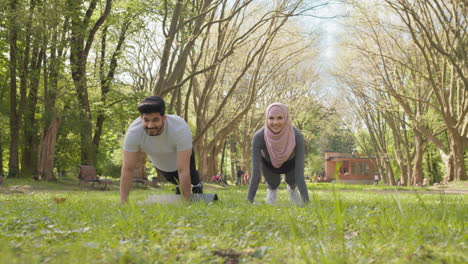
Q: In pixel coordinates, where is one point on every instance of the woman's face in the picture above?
(276, 122)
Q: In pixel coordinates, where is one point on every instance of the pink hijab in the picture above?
(281, 145)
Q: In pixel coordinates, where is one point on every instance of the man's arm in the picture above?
(183, 169)
(126, 177)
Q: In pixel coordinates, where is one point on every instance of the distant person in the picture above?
(278, 148)
(322, 174)
(239, 176)
(218, 178)
(425, 182)
(219, 175)
(167, 141)
(445, 180)
(246, 178)
(376, 179)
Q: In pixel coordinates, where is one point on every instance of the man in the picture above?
(167, 141)
(322, 175)
(239, 176)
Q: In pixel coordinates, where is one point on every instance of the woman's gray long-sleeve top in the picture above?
(259, 146)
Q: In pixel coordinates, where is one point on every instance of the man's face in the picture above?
(153, 123)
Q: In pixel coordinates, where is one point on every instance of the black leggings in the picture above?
(273, 175)
(173, 176)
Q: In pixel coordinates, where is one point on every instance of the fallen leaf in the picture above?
(59, 200)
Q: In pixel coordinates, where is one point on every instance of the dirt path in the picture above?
(436, 191)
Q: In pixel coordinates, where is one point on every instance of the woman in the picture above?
(277, 149)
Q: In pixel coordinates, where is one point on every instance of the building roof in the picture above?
(349, 157)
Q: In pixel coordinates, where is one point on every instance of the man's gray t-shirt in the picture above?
(161, 150)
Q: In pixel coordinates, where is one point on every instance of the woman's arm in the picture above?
(255, 177)
(299, 166)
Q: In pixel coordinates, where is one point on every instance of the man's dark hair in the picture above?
(152, 104)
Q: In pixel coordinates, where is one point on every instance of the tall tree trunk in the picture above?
(47, 150)
(234, 159)
(400, 151)
(82, 37)
(46, 153)
(449, 168)
(457, 148)
(233, 170)
(78, 71)
(208, 162)
(389, 172)
(1, 155)
(418, 158)
(170, 36)
(87, 151)
(404, 177)
(202, 164)
(30, 146)
(223, 155)
(24, 104)
(249, 128)
(13, 164)
(106, 81)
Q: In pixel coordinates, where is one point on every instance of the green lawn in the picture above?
(359, 225)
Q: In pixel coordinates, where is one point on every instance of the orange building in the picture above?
(349, 168)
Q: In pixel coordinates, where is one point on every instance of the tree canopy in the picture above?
(72, 73)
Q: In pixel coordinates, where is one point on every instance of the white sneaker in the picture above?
(271, 196)
(294, 195)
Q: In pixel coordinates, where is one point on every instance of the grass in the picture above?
(61, 223)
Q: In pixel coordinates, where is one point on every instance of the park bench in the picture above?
(141, 180)
(88, 174)
(139, 177)
(144, 181)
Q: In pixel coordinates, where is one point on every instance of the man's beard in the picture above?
(154, 131)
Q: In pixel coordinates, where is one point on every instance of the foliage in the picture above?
(211, 47)
(402, 73)
(359, 226)
(432, 165)
(323, 131)
(342, 142)
(220, 67)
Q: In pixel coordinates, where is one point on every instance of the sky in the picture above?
(326, 21)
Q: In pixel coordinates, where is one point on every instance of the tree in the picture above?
(439, 29)
(13, 163)
(4, 74)
(54, 60)
(242, 78)
(401, 71)
(33, 59)
(83, 31)
(207, 56)
(216, 54)
(106, 78)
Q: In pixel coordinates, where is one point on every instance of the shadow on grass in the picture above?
(15, 186)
